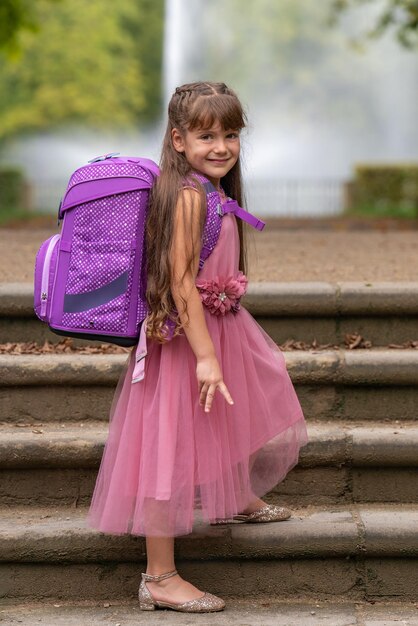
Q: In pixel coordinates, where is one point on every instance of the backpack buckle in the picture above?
(219, 210)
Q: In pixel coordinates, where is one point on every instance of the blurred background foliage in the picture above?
(399, 15)
(98, 65)
(75, 62)
(384, 190)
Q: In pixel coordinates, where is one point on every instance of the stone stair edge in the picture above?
(361, 530)
(280, 298)
(380, 366)
(76, 446)
(261, 610)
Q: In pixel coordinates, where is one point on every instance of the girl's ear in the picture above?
(178, 140)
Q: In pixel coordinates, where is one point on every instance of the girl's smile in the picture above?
(212, 152)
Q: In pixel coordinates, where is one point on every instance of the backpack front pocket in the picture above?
(99, 277)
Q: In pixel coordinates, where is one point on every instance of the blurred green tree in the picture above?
(399, 15)
(16, 16)
(96, 63)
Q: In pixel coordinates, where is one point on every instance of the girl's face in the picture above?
(211, 152)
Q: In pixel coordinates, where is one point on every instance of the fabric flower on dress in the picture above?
(221, 294)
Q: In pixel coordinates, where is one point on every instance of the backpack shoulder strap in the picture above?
(216, 209)
(213, 222)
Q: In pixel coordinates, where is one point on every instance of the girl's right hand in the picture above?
(209, 377)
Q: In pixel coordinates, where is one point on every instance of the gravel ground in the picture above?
(282, 252)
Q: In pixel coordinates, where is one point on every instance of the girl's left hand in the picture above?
(210, 378)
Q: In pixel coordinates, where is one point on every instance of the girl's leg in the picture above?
(160, 559)
(160, 555)
(256, 503)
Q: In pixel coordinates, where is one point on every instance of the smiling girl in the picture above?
(215, 423)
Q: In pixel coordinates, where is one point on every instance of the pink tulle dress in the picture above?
(166, 459)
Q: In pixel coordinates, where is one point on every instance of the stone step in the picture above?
(381, 312)
(57, 464)
(268, 611)
(331, 384)
(356, 552)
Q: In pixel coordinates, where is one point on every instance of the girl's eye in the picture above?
(233, 135)
(205, 137)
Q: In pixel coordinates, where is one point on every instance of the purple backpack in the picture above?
(90, 279)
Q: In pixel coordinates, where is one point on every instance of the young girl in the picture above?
(215, 422)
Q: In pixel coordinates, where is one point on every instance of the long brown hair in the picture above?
(192, 106)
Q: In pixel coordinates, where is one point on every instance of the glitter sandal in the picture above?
(268, 513)
(206, 603)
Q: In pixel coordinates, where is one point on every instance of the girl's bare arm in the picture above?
(186, 228)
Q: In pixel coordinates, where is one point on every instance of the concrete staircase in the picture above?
(354, 532)
(382, 312)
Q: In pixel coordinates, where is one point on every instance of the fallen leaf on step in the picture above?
(355, 340)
